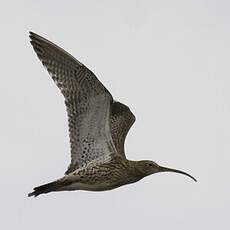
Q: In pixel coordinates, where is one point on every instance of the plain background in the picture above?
(169, 61)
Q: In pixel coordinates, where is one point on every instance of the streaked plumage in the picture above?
(98, 126)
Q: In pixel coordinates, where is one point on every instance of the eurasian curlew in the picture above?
(98, 126)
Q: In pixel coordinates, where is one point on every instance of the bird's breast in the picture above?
(103, 177)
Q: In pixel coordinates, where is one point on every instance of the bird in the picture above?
(98, 126)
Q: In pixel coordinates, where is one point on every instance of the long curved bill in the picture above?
(164, 169)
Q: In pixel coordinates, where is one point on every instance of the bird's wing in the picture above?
(121, 120)
(87, 101)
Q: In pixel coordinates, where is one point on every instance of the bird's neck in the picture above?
(136, 171)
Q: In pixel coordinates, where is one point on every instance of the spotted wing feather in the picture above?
(121, 120)
(87, 102)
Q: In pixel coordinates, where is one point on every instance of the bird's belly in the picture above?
(96, 182)
(103, 186)
(101, 178)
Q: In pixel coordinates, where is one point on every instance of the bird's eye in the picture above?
(150, 165)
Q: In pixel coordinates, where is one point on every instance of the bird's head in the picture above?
(149, 167)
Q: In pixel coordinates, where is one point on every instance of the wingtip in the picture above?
(34, 36)
(31, 34)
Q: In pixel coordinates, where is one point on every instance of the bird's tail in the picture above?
(46, 188)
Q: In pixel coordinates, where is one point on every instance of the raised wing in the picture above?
(87, 101)
(121, 120)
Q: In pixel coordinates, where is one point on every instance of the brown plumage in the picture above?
(98, 126)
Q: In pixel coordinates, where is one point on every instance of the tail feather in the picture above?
(46, 188)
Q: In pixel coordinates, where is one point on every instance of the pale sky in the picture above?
(169, 62)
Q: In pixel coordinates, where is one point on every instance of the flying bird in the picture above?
(98, 126)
